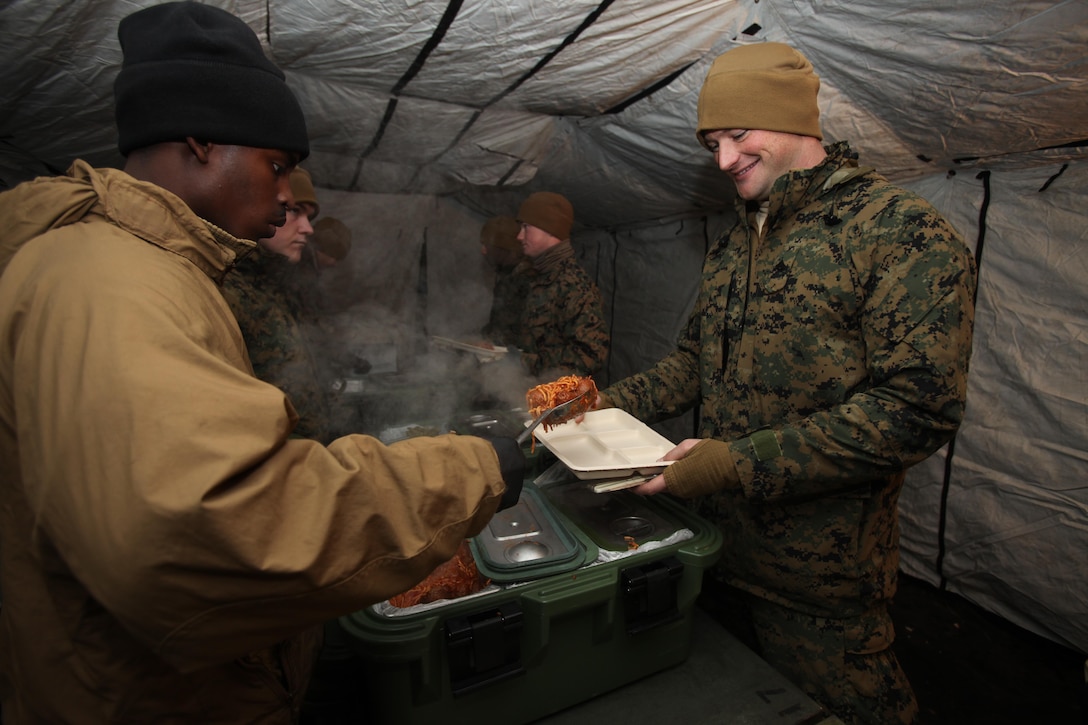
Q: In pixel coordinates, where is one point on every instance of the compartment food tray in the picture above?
(607, 443)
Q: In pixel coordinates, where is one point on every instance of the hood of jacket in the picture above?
(141, 208)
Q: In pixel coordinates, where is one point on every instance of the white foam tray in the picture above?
(608, 443)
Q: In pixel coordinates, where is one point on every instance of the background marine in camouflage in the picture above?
(261, 293)
(501, 249)
(562, 328)
(258, 294)
(827, 351)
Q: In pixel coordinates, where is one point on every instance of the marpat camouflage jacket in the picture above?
(562, 330)
(830, 353)
(507, 305)
(258, 294)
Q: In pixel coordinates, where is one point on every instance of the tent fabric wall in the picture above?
(649, 278)
(1015, 501)
(426, 117)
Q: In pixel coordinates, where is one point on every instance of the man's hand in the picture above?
(657, 484)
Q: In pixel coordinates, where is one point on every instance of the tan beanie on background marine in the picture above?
(302, 188)
(332, 237)
(501, 232)
(548, 211)
(763, 86)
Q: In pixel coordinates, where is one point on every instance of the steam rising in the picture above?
(414, 271)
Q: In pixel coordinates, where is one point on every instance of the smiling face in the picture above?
(290, 239)
(754, 159)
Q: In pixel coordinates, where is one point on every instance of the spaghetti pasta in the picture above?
(455, 578)
(568, 387)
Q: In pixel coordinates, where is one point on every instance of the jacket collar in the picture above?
(552, 258)
(799, 186)
(161, 218)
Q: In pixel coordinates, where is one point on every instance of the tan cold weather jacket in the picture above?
(163, 542)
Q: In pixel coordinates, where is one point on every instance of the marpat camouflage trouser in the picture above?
(846, 665)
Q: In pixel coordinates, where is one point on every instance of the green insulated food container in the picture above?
(529, 648)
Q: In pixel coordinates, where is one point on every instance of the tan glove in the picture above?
(708, 467)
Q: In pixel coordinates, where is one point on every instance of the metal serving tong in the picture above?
(560, 409)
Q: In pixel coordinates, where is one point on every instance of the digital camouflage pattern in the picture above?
(507, 305)
(263, 302)
(562, 330)
(830, 362)
(829, 353)
(847, 664)
(303, 290)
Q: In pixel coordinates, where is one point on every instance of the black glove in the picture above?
(512, 464)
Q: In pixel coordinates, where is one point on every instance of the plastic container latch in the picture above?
(484, 647)
(649, 593)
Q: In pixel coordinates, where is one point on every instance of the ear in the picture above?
(200, 149)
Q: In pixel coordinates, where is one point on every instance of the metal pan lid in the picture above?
(528, 541)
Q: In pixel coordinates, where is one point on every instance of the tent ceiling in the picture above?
(487, 100)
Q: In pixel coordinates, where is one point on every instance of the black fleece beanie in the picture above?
(195, 70)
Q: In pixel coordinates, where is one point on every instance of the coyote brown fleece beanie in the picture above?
(548, 211)
(332, 237)
(764, 86)
(302, 188)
